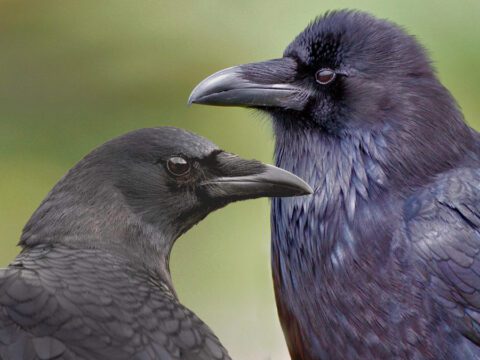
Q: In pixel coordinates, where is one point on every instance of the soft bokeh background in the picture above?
(74, 74)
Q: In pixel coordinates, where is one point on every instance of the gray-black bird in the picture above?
(383, 261)
(92, 280)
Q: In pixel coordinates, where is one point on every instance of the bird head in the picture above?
(346, 71)
(155, 182)
(175, 178)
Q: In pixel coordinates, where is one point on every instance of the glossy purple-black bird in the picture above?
(92, 280)
(383, 261)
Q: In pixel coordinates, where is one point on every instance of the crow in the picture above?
(92, 280)
(383, 261)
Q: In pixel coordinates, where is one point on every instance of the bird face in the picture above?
(172, 178)
(345, 70)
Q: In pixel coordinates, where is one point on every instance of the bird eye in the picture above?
(325, 76)
(178, 166)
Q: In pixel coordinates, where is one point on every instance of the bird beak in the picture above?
(263, 84)
(248, 179)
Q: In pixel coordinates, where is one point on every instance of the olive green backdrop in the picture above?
(74, 74)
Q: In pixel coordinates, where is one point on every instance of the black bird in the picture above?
(383, 261)
(92, 280)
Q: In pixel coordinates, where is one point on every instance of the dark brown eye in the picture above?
(178, 166)
(325, 76)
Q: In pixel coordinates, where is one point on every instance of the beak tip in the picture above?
(304, 190)
(192, 98)
(295, 185)
(308, 190)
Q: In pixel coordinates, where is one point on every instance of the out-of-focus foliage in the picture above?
(73, 74)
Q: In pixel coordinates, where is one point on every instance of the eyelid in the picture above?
(188, 163)
(165, 159)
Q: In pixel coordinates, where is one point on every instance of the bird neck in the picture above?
(99, 218)
(358, 178)
(345, 174)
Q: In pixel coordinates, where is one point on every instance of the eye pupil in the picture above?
(325, 76)
(177, 166)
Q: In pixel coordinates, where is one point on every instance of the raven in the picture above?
(92, 280)
(383, 261)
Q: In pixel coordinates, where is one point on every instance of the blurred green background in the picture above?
(74, 74)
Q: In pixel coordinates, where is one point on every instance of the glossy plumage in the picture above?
(364, 271)
(382, 261)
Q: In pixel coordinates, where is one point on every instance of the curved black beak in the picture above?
(241, 179)
(264, 84)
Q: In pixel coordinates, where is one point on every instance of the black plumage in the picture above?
(383, 261)
(92, 280)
